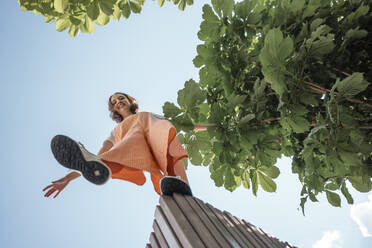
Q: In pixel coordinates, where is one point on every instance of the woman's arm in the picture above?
(105, 147)
(59, 185)
(72, 175)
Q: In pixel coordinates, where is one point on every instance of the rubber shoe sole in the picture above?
(170, 185)
(73, 156)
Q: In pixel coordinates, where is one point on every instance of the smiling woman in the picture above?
(121, 100)
(140, 142)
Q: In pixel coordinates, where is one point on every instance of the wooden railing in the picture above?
(185, 221)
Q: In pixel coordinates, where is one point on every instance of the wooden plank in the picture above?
(276, 241)
(154, 242)
(252, 233)
(289, 245)
(218, 224)
(221, 241)
(159, 235)
(266, 236)
(228, 225)
(166, 228)
(253, 241)
(184, 231)
(258, 234)
(195, 221)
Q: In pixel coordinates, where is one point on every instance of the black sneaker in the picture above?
(170, 185)
(73, 155)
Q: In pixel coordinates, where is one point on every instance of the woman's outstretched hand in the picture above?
(58, 186)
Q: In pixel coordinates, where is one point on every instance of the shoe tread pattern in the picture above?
(68, 154)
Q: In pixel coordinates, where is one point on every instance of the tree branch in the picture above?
(345, 73)
(328, 178)
(320, 90)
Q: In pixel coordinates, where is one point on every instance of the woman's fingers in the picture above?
(59, 191)
(47, 187)
(51, 191)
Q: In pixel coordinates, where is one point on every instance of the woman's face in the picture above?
(121, 105)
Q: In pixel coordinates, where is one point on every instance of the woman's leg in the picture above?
(179, 170)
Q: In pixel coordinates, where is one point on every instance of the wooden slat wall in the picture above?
(187, 222)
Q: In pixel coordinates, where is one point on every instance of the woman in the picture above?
(140, 142)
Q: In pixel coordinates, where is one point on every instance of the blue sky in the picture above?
(53, 84)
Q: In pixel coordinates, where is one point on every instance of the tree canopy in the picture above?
(282, 78)
(81, 15)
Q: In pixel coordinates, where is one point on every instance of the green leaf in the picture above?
(87, 26)
(350, 158)
(117, 13)
(49, 19)
(298, 124)
(246, 119)
(60, 5)
(271, 171)
(302, 204)
(93, 10)
(182, 122)
(194, 153)
(309, 99)
(230, 183)
(170, 110)
(266, 182)
(354, 16)
(206, 52)
(217, 176)
(304, 190)
(135, 7)
(62, 24)
(107, 6)
(312, 197)
(333, 198)
(332, 186)
(182, 5)
(102, 19)
(351, 86)
(208, 159)
(297, 5)
(273, 58)
(74, 30)
(223, 8)
(359, 184)
(125, 9)
(198, 61)
(356, 34)
(254, 180)
(245, 180)
(160, 3)
(75, 21)
(346, 193)
(323, 46)
(210, 27)
(312, 6)
(316, 23)
(244, 8)
(191, 95)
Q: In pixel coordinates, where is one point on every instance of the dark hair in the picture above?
(115, 115)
